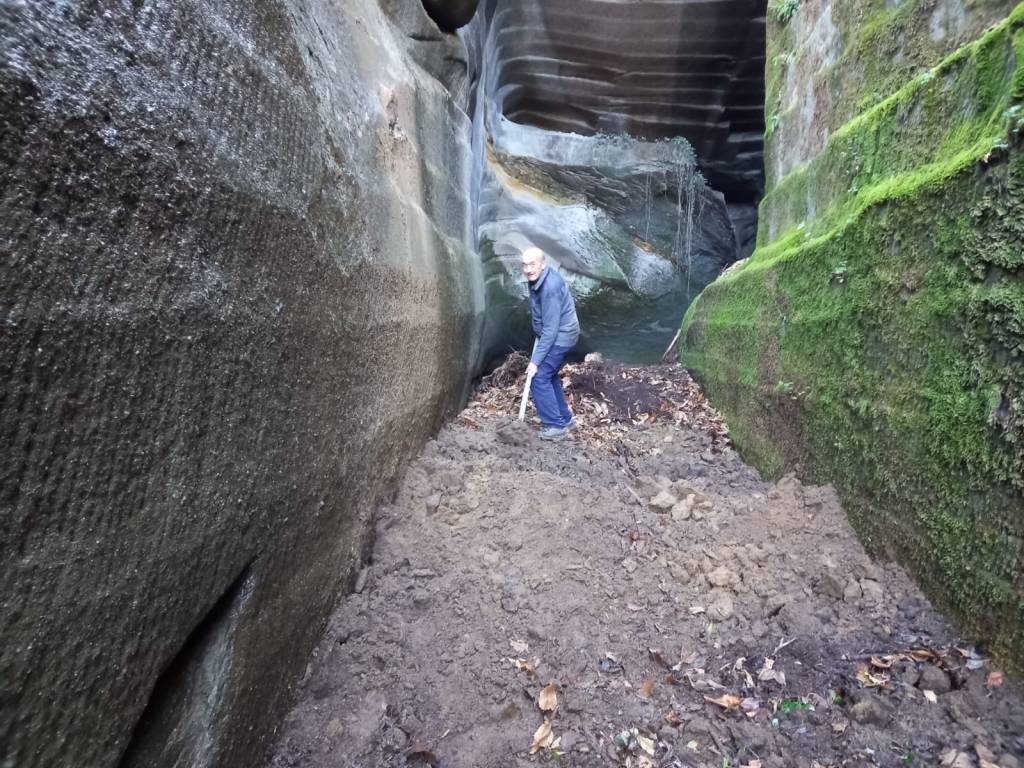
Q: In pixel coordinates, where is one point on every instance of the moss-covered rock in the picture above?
(876, 338)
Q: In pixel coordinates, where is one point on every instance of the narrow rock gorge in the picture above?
(625, 139)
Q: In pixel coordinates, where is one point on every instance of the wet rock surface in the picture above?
(721, 637)
(237, 292)
(625, 140)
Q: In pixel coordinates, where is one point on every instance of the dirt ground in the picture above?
(633, 596)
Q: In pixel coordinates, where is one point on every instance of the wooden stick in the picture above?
(526, 388)
(526, 396)
(671, 346)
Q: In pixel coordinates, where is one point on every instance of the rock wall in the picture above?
(238, 291)
(875, 339)
(625, 140)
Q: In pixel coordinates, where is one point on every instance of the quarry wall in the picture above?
(238, 291)
(875, 339)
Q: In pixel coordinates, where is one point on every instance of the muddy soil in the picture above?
(675, 610)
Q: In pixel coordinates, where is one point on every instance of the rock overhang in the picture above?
(652, 70)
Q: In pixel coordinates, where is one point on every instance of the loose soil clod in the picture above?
(720, 621)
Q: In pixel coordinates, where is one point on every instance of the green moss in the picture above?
(876, 337)
(925, 132)
(783, 10)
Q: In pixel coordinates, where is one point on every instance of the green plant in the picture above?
(793, 705)
(783, 10)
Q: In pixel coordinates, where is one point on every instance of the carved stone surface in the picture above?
(238, 291)
(596, 126)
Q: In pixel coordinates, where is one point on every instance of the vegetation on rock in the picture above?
(876, 337)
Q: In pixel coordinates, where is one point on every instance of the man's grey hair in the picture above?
(531, 253)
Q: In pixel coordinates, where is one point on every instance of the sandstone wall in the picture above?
(237, 292)
(874, 339)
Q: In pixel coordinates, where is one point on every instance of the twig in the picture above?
(664, 357)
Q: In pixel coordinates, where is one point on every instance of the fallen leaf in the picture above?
(994, 680)
(646, 744)
(768, 672)
(673, 718)
(524, 666)
(547, 699)
(543, 737)
(954, 759)
(840, 726)
(519, 646)
(869, 680)
(726, 701)
(646, 688)
(985, 755)
(672, 680)
(657, 657)
(930, 695)
(881, 664)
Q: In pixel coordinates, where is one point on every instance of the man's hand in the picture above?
(531, 370)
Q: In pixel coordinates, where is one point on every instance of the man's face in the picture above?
(533, 264)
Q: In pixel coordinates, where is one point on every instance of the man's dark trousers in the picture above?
(546, 387)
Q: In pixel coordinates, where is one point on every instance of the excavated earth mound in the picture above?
(671, 607)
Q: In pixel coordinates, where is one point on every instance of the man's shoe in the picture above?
(572, 425)
(553, 433)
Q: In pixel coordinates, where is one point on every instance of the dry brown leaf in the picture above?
(768, 672)
(646, 688)
(646, 744)
(954, 759)
(524, 666)
(673, 718)
(881, 663)
(994, 680)
(869, 680)
(726, 701)
(547, 699)
(543, 737)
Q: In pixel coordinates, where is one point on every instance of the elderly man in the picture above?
(554, 322)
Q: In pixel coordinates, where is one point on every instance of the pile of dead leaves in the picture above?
(606, 398)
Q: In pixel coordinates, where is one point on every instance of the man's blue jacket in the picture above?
(553, 312)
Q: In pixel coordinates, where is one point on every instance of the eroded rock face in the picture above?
(238, 291)
(651, 70)
(625, 140)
